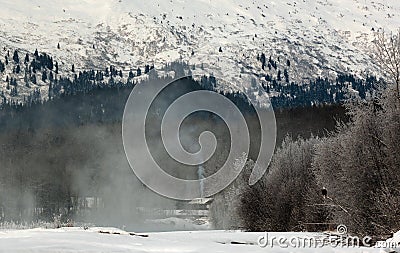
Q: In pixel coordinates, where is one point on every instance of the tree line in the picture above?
(41, 68)
(358, 164)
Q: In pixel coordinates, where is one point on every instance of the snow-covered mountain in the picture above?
(318, 38)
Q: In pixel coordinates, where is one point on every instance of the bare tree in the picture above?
(387, 54)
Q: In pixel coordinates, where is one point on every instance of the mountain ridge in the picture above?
(226, 38)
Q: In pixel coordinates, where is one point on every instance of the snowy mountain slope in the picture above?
(319, 38)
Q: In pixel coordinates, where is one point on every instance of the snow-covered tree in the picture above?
(387, 55)
(360, 164)
(282, 200)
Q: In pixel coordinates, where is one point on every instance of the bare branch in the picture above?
(387, 55)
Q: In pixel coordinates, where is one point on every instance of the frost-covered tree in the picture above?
(387, 55)
(224, 211)
(359, 166)
(282, 200)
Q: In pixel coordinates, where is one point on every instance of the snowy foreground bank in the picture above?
(115, 240)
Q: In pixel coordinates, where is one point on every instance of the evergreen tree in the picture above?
(17, 69)
(267, 89)
(33, 79)
(220, 49)
(13, 81)
(286, 74)
(73, 68)
(26, 58)
(2, 67)
(131, 74)
(14, 92)
(26, 80)
(58, 46)
(111, 71)
(138, 72)
(16, 57)
(51, 76)
(50, 64)
(263, 60)
(44, 76)
(111, 82)
(33, 65)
